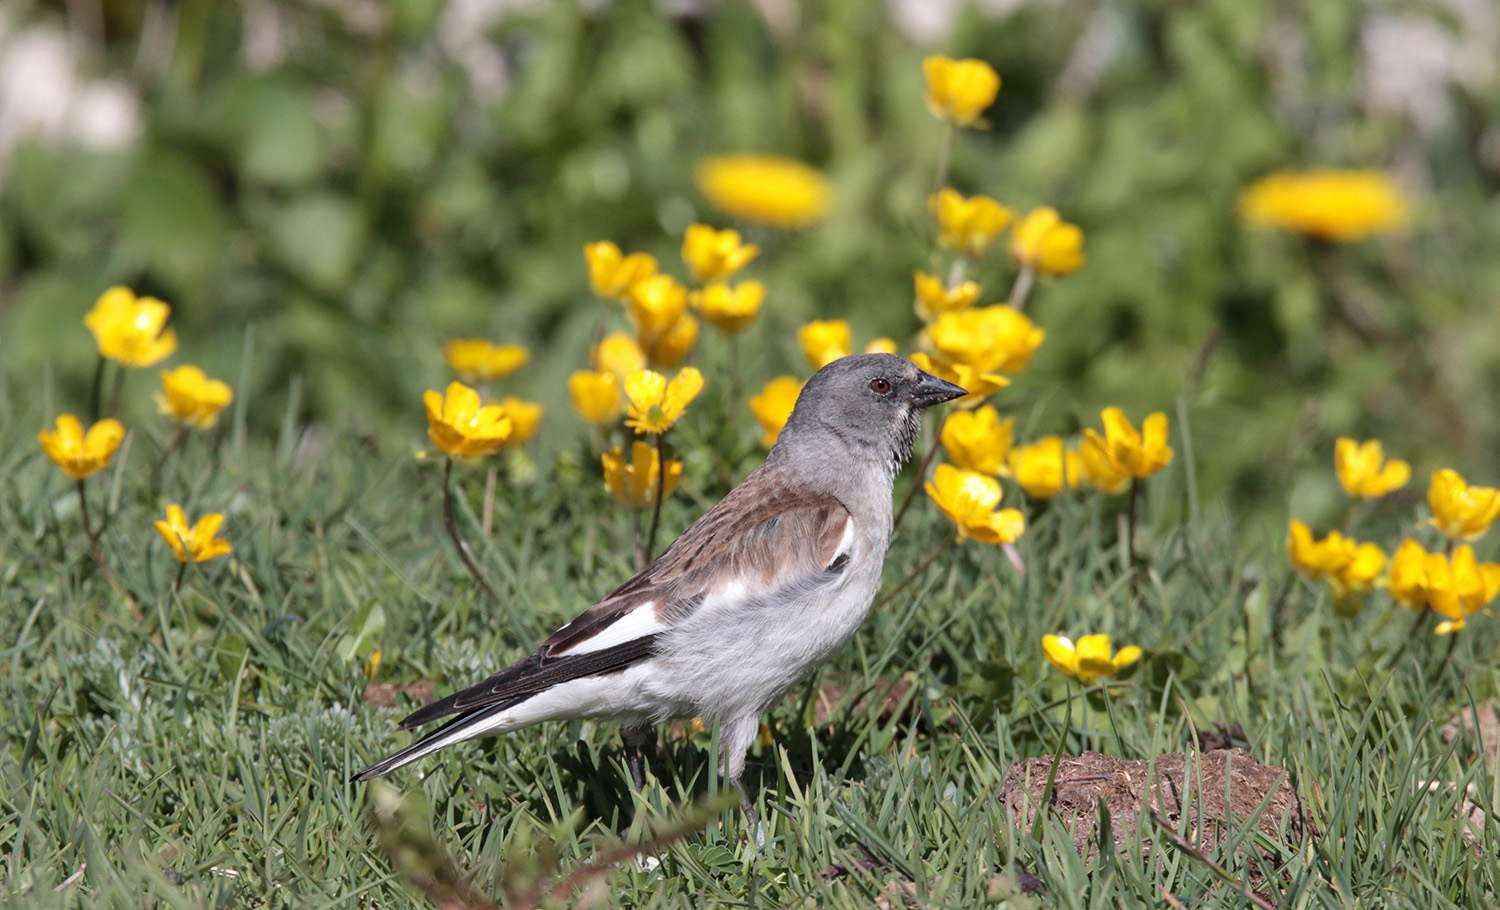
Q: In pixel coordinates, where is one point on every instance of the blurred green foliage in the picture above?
(338, 187)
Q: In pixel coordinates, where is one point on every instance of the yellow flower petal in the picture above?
(959, 90)
(765, 189)
(79, 453)
(1338, 206)
(189, 397)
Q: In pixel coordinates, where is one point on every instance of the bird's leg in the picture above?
(735, 738)
(634, 738)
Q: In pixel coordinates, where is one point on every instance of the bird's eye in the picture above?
(881, 386)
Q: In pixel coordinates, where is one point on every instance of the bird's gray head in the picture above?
(872, 403)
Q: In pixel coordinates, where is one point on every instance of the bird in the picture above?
(754, 596)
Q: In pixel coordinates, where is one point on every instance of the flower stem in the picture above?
(1025, 281)
(945, 157)
(640, 541)
(912, 576)
(96, 390)
(917, 484)
(1135, 485)
(661, 485)
(114, 394)
(161, 463)
(463, 548)
(1410, 636)
(88, 529)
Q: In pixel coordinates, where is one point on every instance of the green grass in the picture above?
(194, 750)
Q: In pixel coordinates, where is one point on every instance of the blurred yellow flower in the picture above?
(969, 500)
(979, 440)
(192, 543)
(656, 303)
(881, 345)
(672, 347)
(80, 454)
(1460, 511)
(189, 397)
(1348, 566)
(1456, 588)
(633, 483)
(979, 385)
(1334, 205)
(774, 405)
(1139, 454)
(1042, 467)
(1363, 470)
(959, 90)
(610, 273)
(462, 427)
(131, 331)
(1090, 659)
(935, 298)
(765, 189)
(596, 396)
(714, 255)
(655, 403)
(967, 226)
(992, 339)
(477, 360)
(824, 341)
(618, 353)
(1044, 242)
(525, 418)
(730, 309)
(1098, 471)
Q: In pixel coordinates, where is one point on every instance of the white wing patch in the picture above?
(638, 623)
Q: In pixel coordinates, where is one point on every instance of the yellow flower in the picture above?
(656, 303)
(881, 345)
(969, 499)
(610, 273)
(80, 454)
(1360, 469)
(713, 255)
(1459, 510)
(1456, 588)
(1349, 567)
(992, 339)
(1139, 454)
(477, 360)
(1334, 205)
(618, 353)
(934, 298)
(765, 189)
(460, 426)
(730, 309)
(633, 484)
(1042, 467)
(824, 341)
(1043, 241)
(525, 417)
(655, 403)
(967, 226)
(131, 330)
(1098, 470)
(979, 440)
(192, 543)
(671, 347)
(189, 397)
(959, 90)
(596, 396)
(980, 385)
(774, 405)
(1089, 659)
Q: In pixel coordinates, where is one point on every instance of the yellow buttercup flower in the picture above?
(131, 331)
(611, 273)
(730, 309)
(1460, 511)
(633, 483)
(1090, 659)
(765, 189)
(525, 418)
(1043, 467)
(656, 303)
(192, 543)
(992, 339)
(1348, 566)
(824, 341)
(979, 440)
(655, 403)
(1098, 471)
(618, 353)
(671, 347)
(189, 397)
(774, 405)
(969, 500)
(596, 396)
(1334, 205)
(959, 90)
(1456, 587)
(881, 345)
(1044, 242)
(477, 360)
(80, 454)
(714, 255)
(935, 298)
(967, 226)
(979, 385)
(462, 427)
(1363, 470)
(1139, 454)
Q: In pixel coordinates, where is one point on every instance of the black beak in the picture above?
(931, 390)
